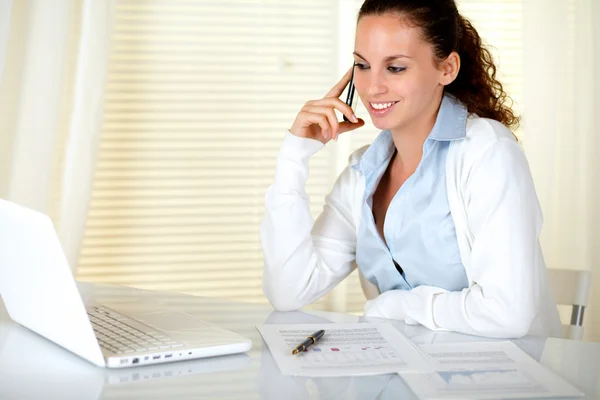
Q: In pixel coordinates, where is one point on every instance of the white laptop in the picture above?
(40, 293)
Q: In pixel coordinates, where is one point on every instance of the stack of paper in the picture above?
(473, 370)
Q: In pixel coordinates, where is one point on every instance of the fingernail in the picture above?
(353, 118)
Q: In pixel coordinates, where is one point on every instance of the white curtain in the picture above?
(5, 6)
(561, 91)
(51, 89)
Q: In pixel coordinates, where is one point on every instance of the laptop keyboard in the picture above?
(123, 335)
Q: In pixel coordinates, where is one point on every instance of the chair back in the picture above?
(572, 288)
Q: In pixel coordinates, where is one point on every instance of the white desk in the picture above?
(34, 368)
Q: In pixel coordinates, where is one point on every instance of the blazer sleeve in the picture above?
(303, 260)
(505, 220)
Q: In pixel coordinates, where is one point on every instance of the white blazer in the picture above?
(498, 222)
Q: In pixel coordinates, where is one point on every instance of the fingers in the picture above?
(311, 118)
(327, 107)
(322, 113)
(336, 103)
(327, 112)
(339, 87)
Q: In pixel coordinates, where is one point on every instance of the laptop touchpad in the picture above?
(172, 321)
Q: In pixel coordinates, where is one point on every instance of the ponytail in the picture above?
(476, 85)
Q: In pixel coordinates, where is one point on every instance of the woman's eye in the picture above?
(361, 66)
(396, 70)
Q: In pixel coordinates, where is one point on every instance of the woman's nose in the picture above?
(376, 85)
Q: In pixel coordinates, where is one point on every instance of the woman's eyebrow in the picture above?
(388, 58)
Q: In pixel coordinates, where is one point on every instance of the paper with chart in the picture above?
(345, 350)
(485, 370)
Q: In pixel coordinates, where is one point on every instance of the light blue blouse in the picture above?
(418, 228)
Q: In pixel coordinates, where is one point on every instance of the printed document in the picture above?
(485, 370)
(344, 350)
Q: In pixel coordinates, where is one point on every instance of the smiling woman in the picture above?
(439, 213)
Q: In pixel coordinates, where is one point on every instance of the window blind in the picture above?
(199, 96)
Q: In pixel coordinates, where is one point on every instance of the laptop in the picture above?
(41, 294)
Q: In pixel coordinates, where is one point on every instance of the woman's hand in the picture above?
(317, 119)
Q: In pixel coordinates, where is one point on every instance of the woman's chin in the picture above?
(381, 124)
(387, 124)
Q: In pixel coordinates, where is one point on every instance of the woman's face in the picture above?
(395, 74)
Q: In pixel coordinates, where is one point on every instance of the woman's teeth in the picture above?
(382, 106)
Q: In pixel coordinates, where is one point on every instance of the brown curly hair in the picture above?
(476, 85)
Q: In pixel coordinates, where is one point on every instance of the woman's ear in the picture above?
(449, 68)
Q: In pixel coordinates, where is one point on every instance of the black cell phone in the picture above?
(350, 94)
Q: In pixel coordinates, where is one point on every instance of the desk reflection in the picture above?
(26, 357)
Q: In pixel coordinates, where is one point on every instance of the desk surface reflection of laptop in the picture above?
(40, 293)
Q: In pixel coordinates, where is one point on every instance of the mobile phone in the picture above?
(350, 94)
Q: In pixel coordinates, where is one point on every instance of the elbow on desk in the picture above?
(513, 330)
(283, 304)
(518, 317)
(510, 323)
(281, 296)
(501, 317)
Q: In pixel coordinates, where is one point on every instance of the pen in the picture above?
(312, 339)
